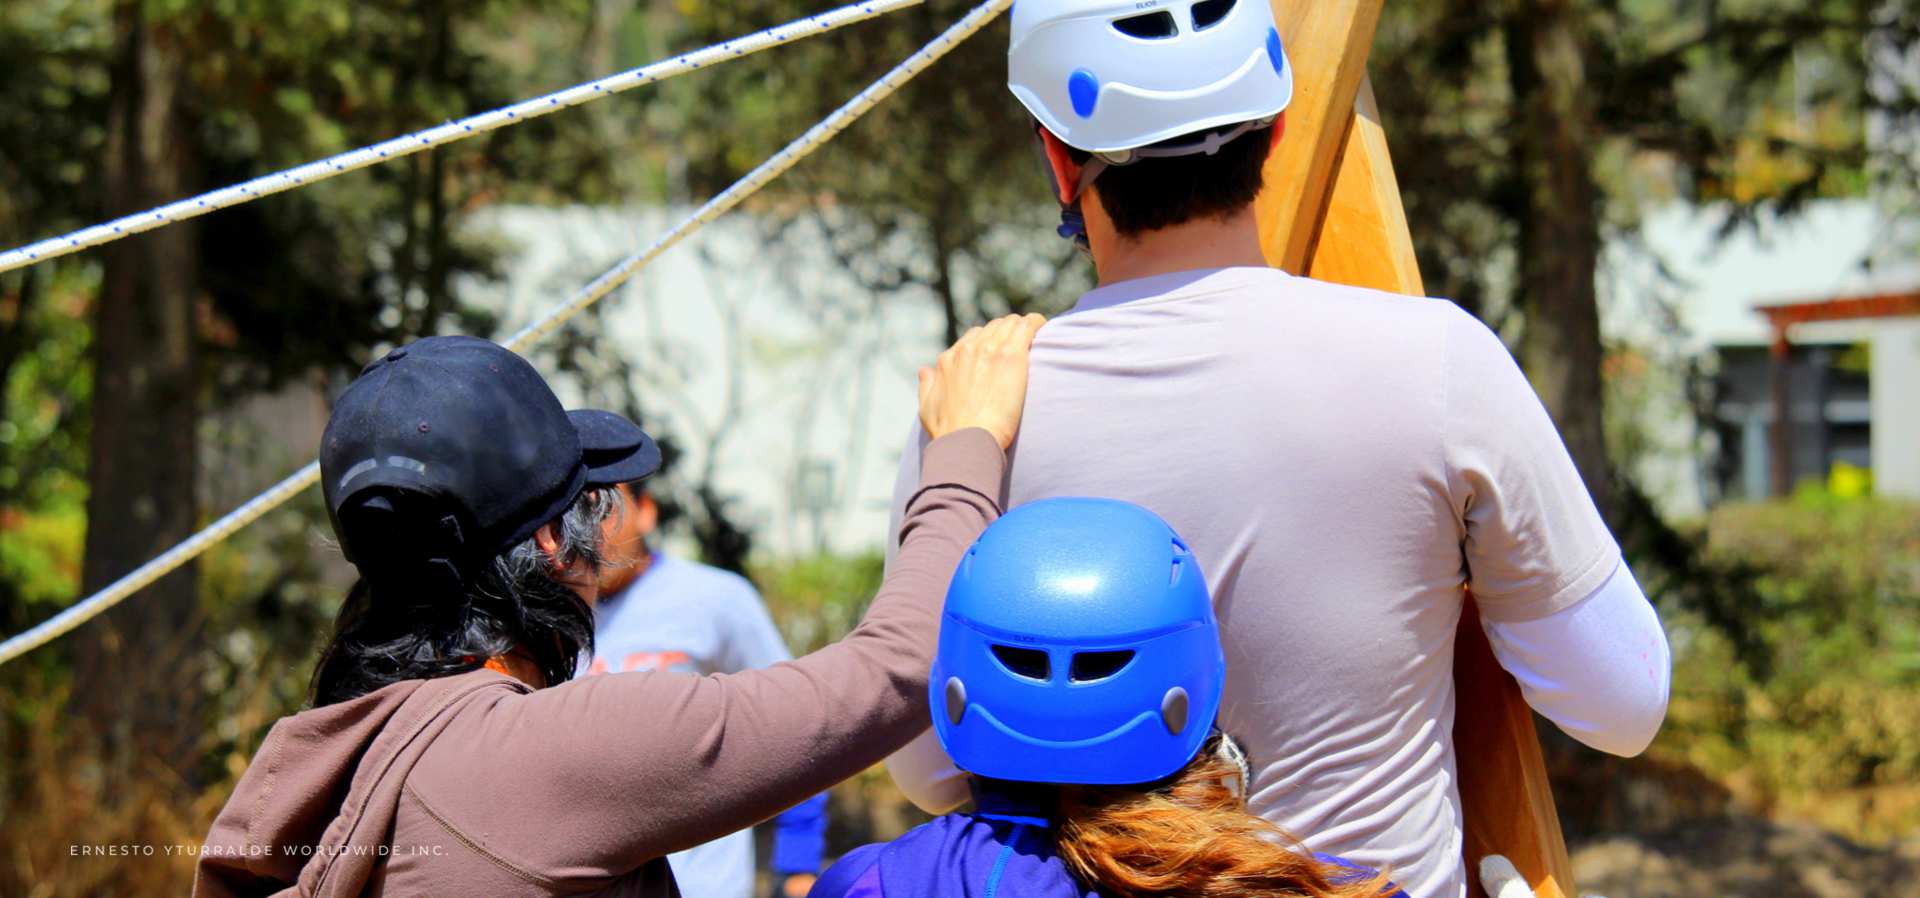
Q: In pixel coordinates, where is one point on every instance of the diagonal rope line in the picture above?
(460, 129)
(774, 166)
(595, 290)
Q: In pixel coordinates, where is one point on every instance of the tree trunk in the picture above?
(1559, 230)
(137, 682)
(943, 286)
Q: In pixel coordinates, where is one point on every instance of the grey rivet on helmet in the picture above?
(957, 701)
(1173, 709)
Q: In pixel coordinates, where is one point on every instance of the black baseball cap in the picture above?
(454, 449)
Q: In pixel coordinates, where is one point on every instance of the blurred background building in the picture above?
(1689, 296)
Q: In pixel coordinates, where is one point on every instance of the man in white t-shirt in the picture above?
(1344, 462)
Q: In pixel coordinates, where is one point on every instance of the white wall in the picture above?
(1683, 288)
(1896, 409)
(766, 361)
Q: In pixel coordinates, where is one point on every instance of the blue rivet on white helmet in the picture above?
(1084, 90)
(1275, 53)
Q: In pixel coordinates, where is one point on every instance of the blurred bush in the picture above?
(72, 827)
(40, 556)
(70, 834)
(1831, 731)
(816, 600)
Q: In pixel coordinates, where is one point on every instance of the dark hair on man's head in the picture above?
(391, 630)
(1157, 193)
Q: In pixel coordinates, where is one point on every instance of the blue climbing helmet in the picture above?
(1078, 645)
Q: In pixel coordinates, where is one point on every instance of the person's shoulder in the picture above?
(840, 879)
(857, 873)
(1328, 296)
(1468, 336)
(1269, 301)
(929, 839)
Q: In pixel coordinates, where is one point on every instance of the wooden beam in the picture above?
(1504, 791)
(1846, 308)
(1332, 210)
(1780, 429)
(1364, 240)
(1327, 43)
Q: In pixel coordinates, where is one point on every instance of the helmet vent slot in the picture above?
(1152, 26)
(1208, 13)
(1090, 667)
(1029, 663)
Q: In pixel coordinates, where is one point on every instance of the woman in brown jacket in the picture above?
(449, 754)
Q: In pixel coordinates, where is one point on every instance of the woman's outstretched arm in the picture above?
(592, 778)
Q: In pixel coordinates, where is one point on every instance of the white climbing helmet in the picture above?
(1113, 75)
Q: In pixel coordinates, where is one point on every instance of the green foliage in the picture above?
(1833, 730)
(817, 600)
(1832, 565)
(40, 556)
(52, 101)
(45, 380)
(1761, 104)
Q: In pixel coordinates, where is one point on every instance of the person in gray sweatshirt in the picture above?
(449, 752)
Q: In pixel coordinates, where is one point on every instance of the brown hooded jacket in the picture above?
(478, 785)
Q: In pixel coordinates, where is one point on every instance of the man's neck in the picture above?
(1206, 243)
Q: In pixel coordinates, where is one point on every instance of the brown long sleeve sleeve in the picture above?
(588, 780)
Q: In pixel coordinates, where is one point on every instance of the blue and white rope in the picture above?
(352, 160)
(596, 290)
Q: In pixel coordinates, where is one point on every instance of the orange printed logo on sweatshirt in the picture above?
(645, 661)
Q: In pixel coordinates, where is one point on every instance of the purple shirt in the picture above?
(1003, 849)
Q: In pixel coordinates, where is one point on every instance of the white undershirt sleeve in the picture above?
(1599, 669)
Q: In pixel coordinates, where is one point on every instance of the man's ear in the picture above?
(548, 539)
(1066, 172)
(649, 513)
(1279, 129)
